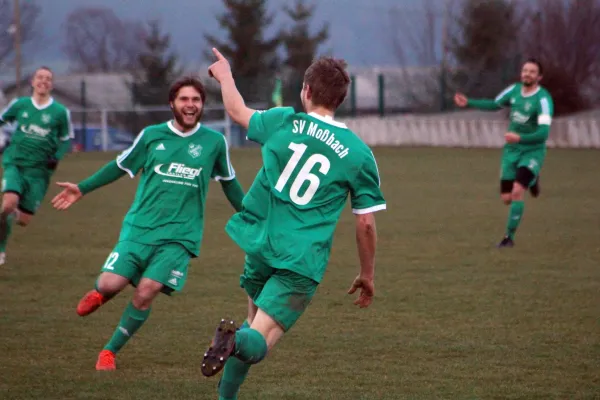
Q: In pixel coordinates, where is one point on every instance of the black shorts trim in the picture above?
(506, 186)
(525, 176)
(26, 211)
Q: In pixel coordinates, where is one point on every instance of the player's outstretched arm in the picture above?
(232, 99)
(72, 192)
(366, 241)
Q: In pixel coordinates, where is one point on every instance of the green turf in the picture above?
(454, 318)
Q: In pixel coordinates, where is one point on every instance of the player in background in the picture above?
(163, 228)
(531, 112)
(41, 139)
(311, 163)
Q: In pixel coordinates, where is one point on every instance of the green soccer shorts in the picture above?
(31, 184)
(282, 294)
(166, 264)
(514, 158)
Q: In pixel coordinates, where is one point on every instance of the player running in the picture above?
(41, 139)
(163, 228)
(311, 163)
(531, 111)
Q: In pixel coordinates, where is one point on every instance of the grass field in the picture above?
(454, 318)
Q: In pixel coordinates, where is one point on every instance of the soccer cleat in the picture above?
(535, 189)
(220, 349)
(506, 242)
(2, 258)
(90, 303)
(106, 361)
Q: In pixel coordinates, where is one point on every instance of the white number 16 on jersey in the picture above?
(304, 174)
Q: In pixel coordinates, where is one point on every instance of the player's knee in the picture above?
(518, 193)
(10, 202)
(110, 284)
(145, 293)
(506, 198)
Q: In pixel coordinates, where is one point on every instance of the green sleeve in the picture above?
(365, 192)
(502, 100)
(234, 193)
(222, 169)
(9, 113)
(545, 109)
(537, 137)
(264, 123)
(65, 135)
(105, 175)
(483, 104)
(63, 148)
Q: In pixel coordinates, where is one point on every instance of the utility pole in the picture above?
(17, 33)
(444, 61)
(17, 29)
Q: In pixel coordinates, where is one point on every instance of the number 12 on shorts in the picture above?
(304, 174)
(111, 260)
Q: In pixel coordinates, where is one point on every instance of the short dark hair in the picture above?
(187, 81)
(43, 67)
(328, 82)
(537, 62)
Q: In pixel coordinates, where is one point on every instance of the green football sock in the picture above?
(514, 218)
(250, 346)
(7, 231)
(131, 321)
(234, 374)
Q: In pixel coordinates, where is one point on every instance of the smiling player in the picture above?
(163, 228)
(42, 138)
(531, 111)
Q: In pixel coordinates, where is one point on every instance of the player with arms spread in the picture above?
(311, 163)
(163, 228)
(531, 111)
(42, 137)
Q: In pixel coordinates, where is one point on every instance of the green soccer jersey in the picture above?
(528, 112)
(39, 131)
(176, 170)
(310, 166)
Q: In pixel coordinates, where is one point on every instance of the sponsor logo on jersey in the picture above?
(177, 170)
(519, 118)
(195, 150)
(35, 130)
(527, 106)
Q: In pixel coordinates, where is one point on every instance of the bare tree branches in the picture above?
(96, 40)
(30, 12)
(564, 36)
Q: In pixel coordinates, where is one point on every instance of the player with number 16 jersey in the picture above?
(311, 164)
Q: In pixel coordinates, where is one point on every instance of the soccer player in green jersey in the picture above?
(41, 139)
(311, 164)
(531, 111)
(163, 228)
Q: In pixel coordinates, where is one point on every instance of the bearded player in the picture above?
(41, 139)
(531, 112)
(163, 228)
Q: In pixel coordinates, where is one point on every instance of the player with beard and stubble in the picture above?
(531, 111)
(163, 228)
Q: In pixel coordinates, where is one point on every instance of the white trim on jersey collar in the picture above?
(328, 120)
(183, 134)
(48, 104)
(530, 94)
